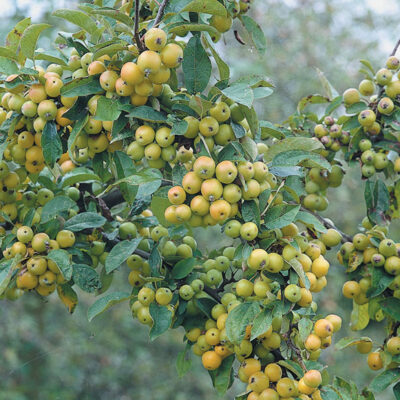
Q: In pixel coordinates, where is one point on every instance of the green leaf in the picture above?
(147, 113)
(183, 268)
(356, 108)
(205, 305)
(292, 366)
(256, 33)
(159, 205)
(51, 143)
(196, 66)
(7, 268)
(384, 379)
(78, 18)
(114, 14)
(296, 157)
(67, 296)
(280, 215)
(73, 136)
(310, 220)
(106, 302)
(396, 391)
(223, 68)
(162, 319)
(250, 212)
(56, 206)
(120, 252)
(350, 341)
(206, 7)
(329, 393)
(8, 67)
(82, 87)
(63, 260)
(232, 152)
(359, 317)
(13, 38)
(238, 319)
(183, 362)
(84, 220)
(183, 29)
(250, 147)
(86, 277)
(240, 93)
(30, 37)
(391, 306)
(292, 143)
(377, 201)
(80, 174)
(107, 109)
(305, 326)
(47, 57)
(330, 91)
(312, 99)
(380, 281)
(222, 377)
(298, 268)
(262, 322)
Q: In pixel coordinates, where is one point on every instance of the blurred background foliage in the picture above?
(48, 354)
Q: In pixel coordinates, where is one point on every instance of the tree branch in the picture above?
(160, 13)
(394, 51)
(213, 293)
(137, 36)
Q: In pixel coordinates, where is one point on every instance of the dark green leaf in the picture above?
(238, 319)
(84, 220)
(256, 33)
(55, 206)
(262, 322)
(196, 66)
(183, 268)
(78, 18)
(106, 302)
(82, 87)
(63, 260)
(222, 377)
(86, 277)
(77, 175)
(391, 306)
(384, 379)
(30, 37)
(280, 215)
(107, 109)
(250, 212)
(51, 144)
(162, 318)
(120, 252)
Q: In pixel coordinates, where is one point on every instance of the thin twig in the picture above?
(272, 200)
(394, 51)
(137, 36)
(160, 13)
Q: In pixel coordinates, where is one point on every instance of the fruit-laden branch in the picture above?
(160, 13)
(137, 36)
(329, 225)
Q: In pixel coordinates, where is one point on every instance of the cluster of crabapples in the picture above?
(317, 182)
(35, 270)
(377, 98)
(212, 192)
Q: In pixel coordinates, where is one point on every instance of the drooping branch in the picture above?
(137, 17)
(160, 13)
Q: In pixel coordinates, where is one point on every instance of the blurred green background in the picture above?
(48, 354)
